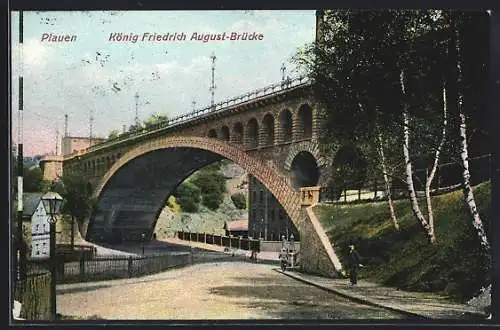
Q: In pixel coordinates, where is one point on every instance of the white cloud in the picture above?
(36, 55)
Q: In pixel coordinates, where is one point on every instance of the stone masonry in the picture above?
(263, 135)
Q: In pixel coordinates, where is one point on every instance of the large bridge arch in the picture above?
(137, 183)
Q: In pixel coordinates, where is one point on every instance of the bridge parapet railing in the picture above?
(218, 107)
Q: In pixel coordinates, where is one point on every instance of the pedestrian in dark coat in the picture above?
(354, 264)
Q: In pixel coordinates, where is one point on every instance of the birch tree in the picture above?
(427, 224)
(387, 182)
(462, 132)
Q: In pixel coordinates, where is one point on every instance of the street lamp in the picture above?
(143, 237)
(52, 203)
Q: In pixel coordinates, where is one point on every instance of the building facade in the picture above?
(266, 217)
(40, 233)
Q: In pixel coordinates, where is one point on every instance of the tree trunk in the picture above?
(409, 172)
(430, 176)
(464, 155)
(467, 189)
(380, 148)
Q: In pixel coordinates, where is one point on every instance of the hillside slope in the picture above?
(172, 219)
(457, 266)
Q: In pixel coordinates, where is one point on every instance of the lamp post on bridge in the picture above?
(52, 203)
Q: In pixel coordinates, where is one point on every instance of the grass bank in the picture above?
(456, 267)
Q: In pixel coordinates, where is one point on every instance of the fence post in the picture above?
(239, 243)
(129, 266)
(230, 239)
(220, 240)
(82, 267)
(189, 235)
(359, 194)
(205, 238)
(345, 195)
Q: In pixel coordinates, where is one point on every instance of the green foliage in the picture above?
(188, 196)
(135, 127)
(155, 119)
(458, 266)
(359, 61)
(76, 192)
(32, 179)
(239, 200)
(212, 185)
(113, 134)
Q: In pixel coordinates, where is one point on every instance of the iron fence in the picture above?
(224, 241)
(112, 267)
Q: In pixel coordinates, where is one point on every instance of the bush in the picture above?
(188, 197)
(239, 200)
(212, 185)
(212, 201)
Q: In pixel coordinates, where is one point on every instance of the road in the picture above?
(224, 290)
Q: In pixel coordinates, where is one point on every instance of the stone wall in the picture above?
(316, 253)
(52, 167)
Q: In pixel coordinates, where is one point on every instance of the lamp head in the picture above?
(52, 202)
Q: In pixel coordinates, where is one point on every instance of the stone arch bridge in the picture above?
(273, 133)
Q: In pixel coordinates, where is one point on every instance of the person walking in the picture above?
(354, 264)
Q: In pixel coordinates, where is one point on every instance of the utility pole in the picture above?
(20, 250)
(136, 110)
(212, 87)
(194, 105)
(66, 125)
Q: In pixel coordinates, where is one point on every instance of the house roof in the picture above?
(236, 225)
(30, 203)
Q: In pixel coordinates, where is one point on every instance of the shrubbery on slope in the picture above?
(457, 266)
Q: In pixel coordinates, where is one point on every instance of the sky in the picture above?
(97, 72)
